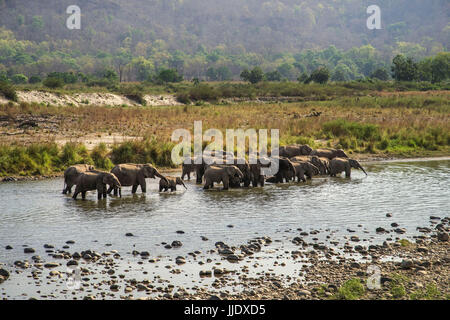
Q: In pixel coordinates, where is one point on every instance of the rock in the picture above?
(422, 249)
(145, 254)
(233, 258)
(180, 260)
(180, 231)
(434, 218)
(114, 287)
(8, 247)
(141, 287)
(214, 297)
(4, 273)
(442, 236)
(303, 293)
(29, 250)
(389, 215)
(72, 263)
(48, 246)
(354, 238)
(380, 229)
(70, 242)
(129, 234)
(76, 255)
(176, 244)
(400, 230)
(204, 238)
(54, 273)
(406, 264)
(218, 272)
(51, 265)
(205, 273)
(394, 225)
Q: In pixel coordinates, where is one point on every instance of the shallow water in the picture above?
(36, 213)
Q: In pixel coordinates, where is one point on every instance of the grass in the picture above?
(387, 124)
(352, 289)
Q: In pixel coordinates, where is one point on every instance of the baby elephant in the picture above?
(170, 184)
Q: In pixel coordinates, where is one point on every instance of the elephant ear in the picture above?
(106, 179)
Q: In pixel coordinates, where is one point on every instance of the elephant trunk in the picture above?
(159, 175)
(183, 184)
(360, 166)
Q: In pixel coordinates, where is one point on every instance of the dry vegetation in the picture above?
(407, 125)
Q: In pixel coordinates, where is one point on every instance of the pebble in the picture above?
(406, 264)
(51, 265)
(443, 236)
(29, 250)
(129, 234)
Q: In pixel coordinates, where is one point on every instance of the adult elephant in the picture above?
(134, 175)
(221, 173)
(329, 153)
(285, 170)
(309, 169)
(244, 167)
(295, 150)
(315, 160)
(96, 180)
(72, 173)
(338, 165)
(257, 176)
(170, 184)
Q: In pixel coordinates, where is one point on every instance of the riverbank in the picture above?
(402, 269)
(38, 139)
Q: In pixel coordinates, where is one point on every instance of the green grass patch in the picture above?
(352, 289)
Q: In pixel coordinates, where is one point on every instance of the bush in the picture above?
(100, 155)
(53, 82)
(19, 79)
(8, 91)
(351, 290)
(320, 75)
(34, 79)
(344, 128)
(203, 92)
(168, 75)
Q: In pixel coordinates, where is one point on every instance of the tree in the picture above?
(320, 75)
(404, 69)
(380, 74)
(169, 75)
(254, 76)
(273, 76)
(19, 79)
(441, 67)
(303, 78)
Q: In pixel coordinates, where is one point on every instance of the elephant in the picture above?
(172, 184)
(221, 173)
(96, 180)
(310, 170)
(131, 174)
(242, 165)
(299, 172)
(325, 163)
(256, 174)
(338, 165)
(329, 153)
(72, 173)
(286, 169)
(187, 169)
(295, 150)
(313, 160)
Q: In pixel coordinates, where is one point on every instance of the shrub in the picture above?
(344, 128)
(19, 79)
(53, 82)
(320, 75)
(100, 157)
(34, 79)
(168, 75)
(8, 91)
(351, 290)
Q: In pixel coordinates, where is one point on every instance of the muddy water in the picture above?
(36, 213)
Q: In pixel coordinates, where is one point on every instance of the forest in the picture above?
(217, 40)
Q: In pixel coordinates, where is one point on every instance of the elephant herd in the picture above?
(295, 161)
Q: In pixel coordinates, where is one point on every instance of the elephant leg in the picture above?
(111, 189)
(161, 188)
(134, 188)
(115, 191)
(83, 195)
(348, 172)
(172, 189)
(143, 186)
(69, 188)
(189, 175)
(75, 195)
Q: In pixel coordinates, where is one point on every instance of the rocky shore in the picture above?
(298, 264)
